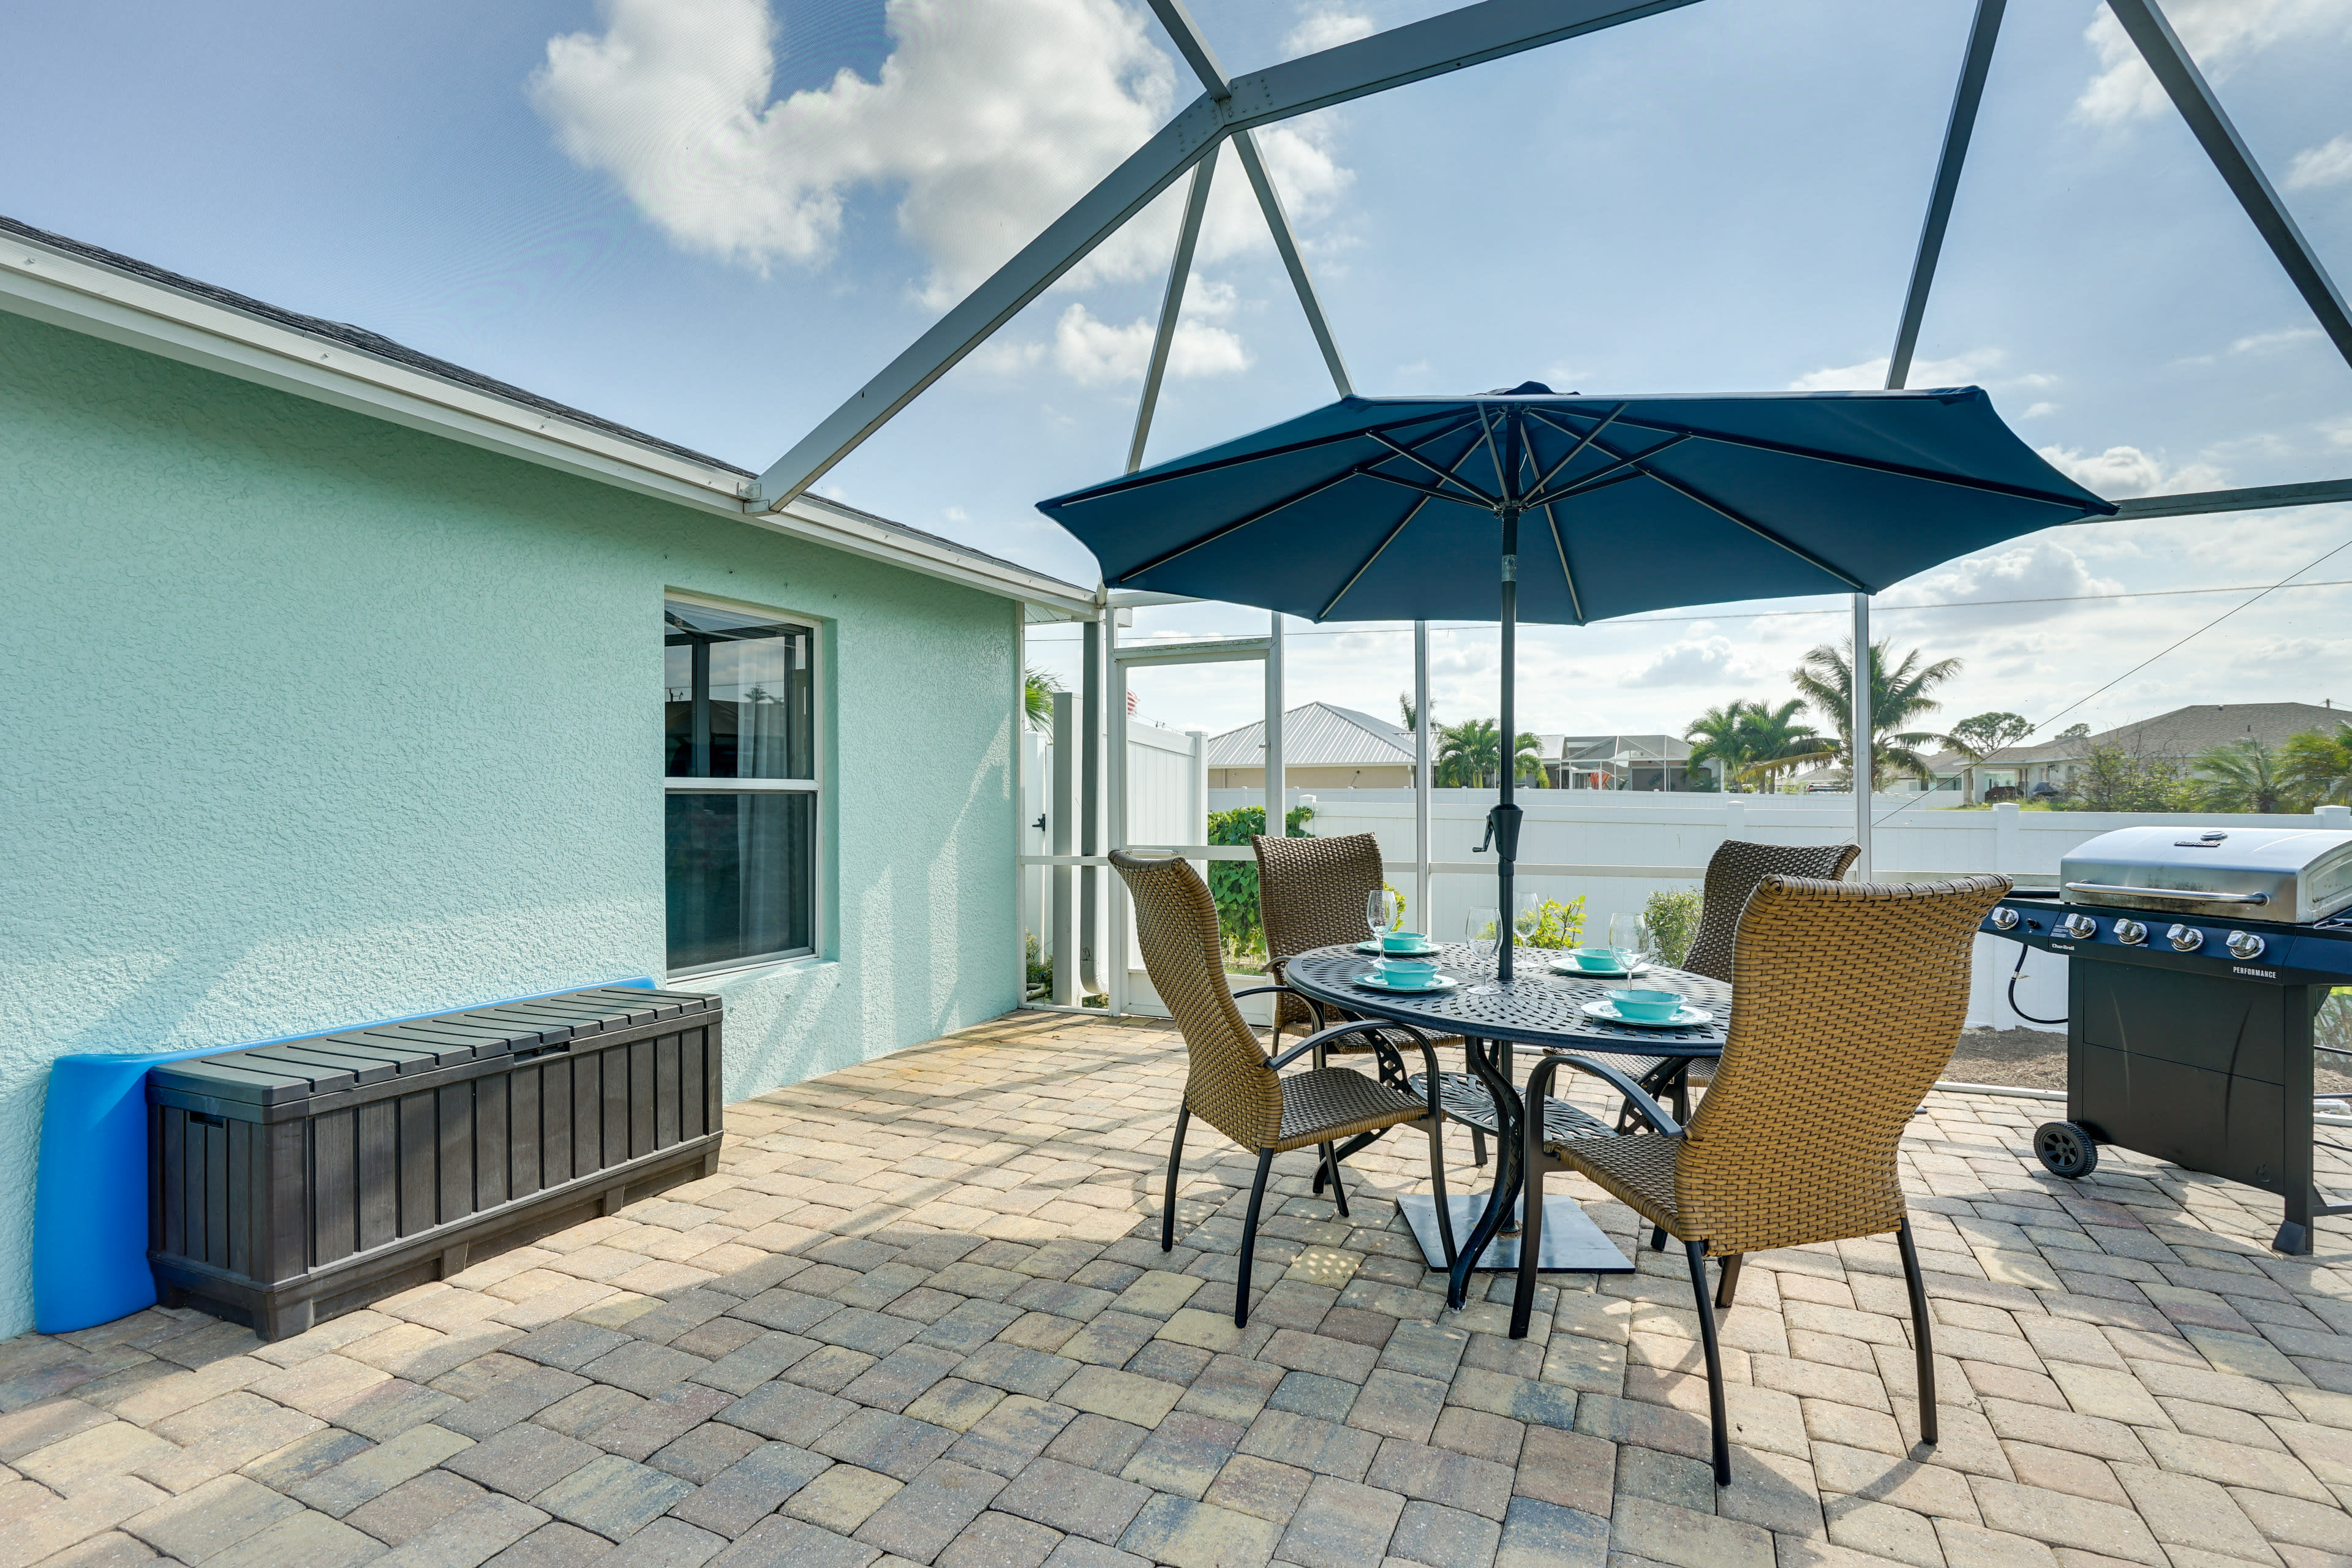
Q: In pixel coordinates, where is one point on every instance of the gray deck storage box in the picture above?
(294, 1181)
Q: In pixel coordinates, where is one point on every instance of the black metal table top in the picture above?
(1538, 1008)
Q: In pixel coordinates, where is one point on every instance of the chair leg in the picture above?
(1922, 1345)
(1523, 1295)
(1332, 1166)
(1249, 1238)
(1729, 1284)
(1477, 1147)
(1175, 1158)
(1437, 1183)
(1696, 1250)
(1657, 1239)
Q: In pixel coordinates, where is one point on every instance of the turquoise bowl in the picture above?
(1647, 1006)
(1600, 958)
(1404, 942)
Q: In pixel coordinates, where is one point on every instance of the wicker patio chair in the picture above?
(1311, 893)
(1234, 1084)
(1732, 873)
(1847, 1000)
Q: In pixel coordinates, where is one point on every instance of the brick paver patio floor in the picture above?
(921, 1314)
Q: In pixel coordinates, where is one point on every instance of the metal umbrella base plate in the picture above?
(1572, 1244)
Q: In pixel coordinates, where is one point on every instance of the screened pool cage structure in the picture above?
(1228, 111)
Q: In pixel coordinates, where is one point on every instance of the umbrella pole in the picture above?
(1505, 827)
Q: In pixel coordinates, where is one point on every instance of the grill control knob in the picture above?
(2131, 933)
(2004, 919)
(2078, 928)
(2245, 945)
(2185, 938)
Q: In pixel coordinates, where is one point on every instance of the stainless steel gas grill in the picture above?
(2201, 956)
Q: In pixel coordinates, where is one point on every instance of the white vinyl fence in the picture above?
(1614, 850)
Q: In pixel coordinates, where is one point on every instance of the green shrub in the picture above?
(1233, 884)
(1553, 924)
(1672, 917)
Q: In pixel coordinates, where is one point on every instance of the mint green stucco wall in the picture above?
(307, 718)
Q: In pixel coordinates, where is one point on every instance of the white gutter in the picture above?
(63, 289)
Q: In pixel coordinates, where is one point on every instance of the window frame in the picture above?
(813, 785)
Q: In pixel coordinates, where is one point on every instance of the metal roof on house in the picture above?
(2182, 733)
(1318, 735)
(343, 335)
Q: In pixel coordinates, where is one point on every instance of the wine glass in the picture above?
(1530, 920)
(1484, 929)
(1629, 934)
(1383, 912)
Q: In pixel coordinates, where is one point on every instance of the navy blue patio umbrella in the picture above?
(1402, 508)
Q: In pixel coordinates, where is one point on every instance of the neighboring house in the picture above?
(1323, 747)
(2180, 737)
(1617, 761)
(347, 684)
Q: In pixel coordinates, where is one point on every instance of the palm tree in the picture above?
(1747, 739)
(2319, 765)
(1898, 695)
(1037, 689)
(1469, 755)
(1404, 706)
(2245, 775)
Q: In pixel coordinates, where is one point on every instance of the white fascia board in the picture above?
(811, 518)
(66, 290)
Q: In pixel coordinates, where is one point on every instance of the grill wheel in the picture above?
(2065, 1150)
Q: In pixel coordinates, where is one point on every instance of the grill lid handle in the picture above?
(2180, 894)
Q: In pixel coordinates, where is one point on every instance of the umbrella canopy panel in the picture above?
(1390, 508)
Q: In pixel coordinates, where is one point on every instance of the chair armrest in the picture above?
(1539, 1087)
(1338, 1031)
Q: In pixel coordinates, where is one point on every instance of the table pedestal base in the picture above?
(1572, 1244)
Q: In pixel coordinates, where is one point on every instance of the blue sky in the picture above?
(625, 207)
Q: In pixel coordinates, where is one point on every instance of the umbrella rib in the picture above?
(1239, 524)
(1575, 600)
(1412, 456)
(1607, 475)
(1139, 481)
(1758, 529)
(1578, 450)
(1757, 443)
(1432, 491)
(1375, 555)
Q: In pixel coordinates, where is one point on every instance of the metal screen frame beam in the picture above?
(2193, 97)
(1171, 306)
(2253, 498)
(1975, 66)
(1490, 30)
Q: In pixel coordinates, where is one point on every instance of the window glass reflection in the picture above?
(740, 877)
(739, 698)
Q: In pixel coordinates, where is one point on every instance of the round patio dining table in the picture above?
(1539, 1008)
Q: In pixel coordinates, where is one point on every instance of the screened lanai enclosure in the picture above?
(1085, 809)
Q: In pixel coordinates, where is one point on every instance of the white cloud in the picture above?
(2121, 471)
(2030, 569)
(2259, 341)
(2218, 34)
(2330, 163)
(989, 116)
(2339, 433)
(1326, 27)
(1696, 661)
(2038, 410)
(1096, 353)
(1870, 375)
